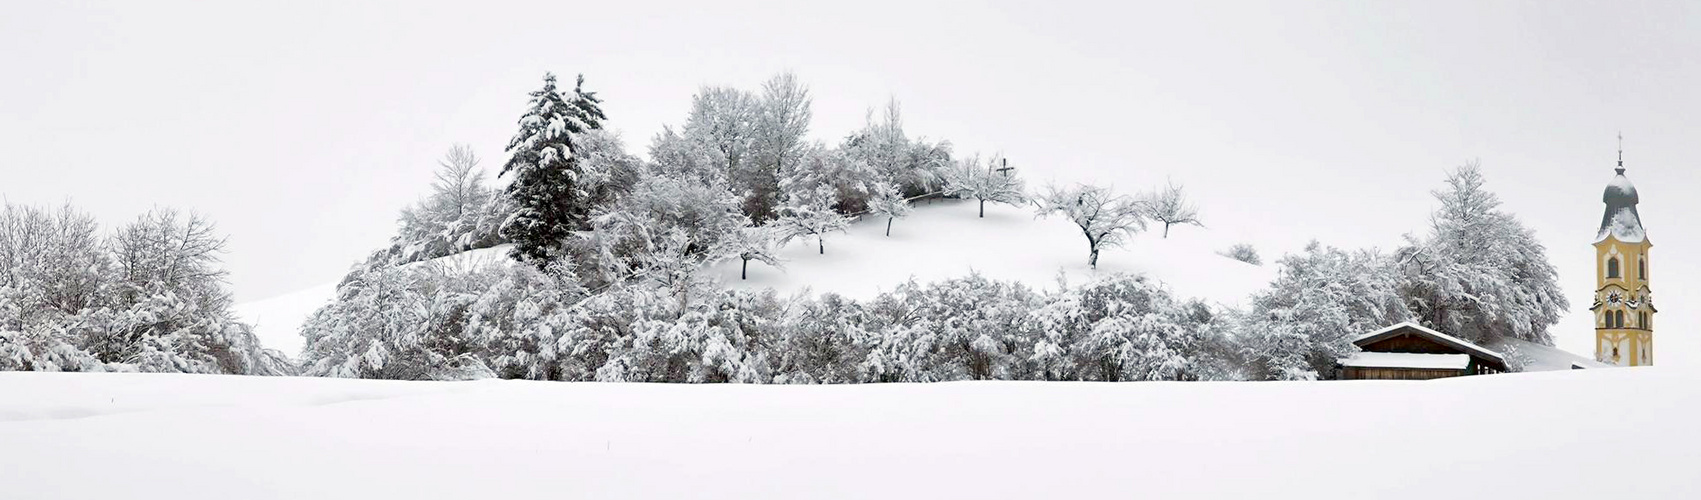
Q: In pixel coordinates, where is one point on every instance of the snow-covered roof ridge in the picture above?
(1408, 360)
(1621, 220)
(1455, 342)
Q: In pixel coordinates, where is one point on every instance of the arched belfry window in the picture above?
(1642, 269)
(1612, 267)
(1618, 319)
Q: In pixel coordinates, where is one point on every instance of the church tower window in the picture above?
(1612, 267)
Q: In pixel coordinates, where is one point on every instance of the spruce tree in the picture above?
(547, 191)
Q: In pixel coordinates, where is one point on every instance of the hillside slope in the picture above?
(1538, 435)
(945, 239)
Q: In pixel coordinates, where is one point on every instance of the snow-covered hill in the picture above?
(184, 437)
(942, 239)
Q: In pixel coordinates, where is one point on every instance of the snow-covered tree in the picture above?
(679, 156)
(1105, 218)
(993, 181)
(915, 165)
(810, 214)
(1321, 299)
(461, 213)
(886, 201)
(758, 243)
(723, 119)
(782, 121)
(1169, 206)
(643, 225)
(1481, 274)
(609, 170)
(548, 189)
(848, 181)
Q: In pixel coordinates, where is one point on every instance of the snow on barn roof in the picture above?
(1541, 358)
(1621, 220)
(1455, 342)
(1408, 360)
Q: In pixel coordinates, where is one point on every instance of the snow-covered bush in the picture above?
(1243, 252)
(151, 297)
(1124, 327)
(970, 328)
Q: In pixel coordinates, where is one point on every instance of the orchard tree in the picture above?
(995, 182)
(548, 188)
(1169, 206)
(755, 243)
(1105, 218)
(810, 214)
(887, 202)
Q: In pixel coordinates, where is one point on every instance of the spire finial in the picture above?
(1620, 153)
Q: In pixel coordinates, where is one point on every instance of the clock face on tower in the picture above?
(1615, 298)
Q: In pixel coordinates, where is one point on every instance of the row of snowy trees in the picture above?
(148, 297)
(429, 322)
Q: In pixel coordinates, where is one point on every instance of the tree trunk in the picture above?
(889, 226)
(1093, 258)
(744, 273)
(821, 242)
(1166, 230)
(983, 208)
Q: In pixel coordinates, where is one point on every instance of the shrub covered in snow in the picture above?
(151, 297)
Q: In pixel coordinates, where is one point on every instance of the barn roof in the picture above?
(1438, 337)
(1368, 359)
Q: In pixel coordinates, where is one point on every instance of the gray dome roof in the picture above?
(1621, 220)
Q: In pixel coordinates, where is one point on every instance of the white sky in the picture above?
(302, 129)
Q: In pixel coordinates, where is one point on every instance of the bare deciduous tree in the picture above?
(991, 181)
(1169, 206)
(1105, 218)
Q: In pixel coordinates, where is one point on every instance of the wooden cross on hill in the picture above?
(1006, 169)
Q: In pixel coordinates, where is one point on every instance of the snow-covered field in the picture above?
(1625, 433)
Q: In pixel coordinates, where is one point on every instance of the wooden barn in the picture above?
(1408, 351)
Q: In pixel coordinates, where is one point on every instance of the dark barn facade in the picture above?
(1408, 351)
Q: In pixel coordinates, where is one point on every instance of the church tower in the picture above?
(1624, 306)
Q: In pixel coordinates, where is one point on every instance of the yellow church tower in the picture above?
(1624, 306)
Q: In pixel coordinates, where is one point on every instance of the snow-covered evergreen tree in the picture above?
(886, 201)
(548, 189)
(991, 181)
(1169, 206)
(810, 214)
(1105, 218)
(1481, 274)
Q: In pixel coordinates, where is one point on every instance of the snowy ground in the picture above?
(944, 239)
(1572, 434)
